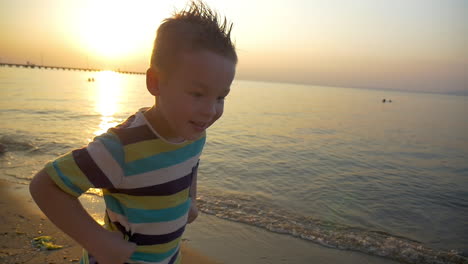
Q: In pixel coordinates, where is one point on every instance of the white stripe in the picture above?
(141, 119)
(160, 176)
(105, 162)
(114, 217)
(160, 228)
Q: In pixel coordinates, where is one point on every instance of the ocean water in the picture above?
(332, 166)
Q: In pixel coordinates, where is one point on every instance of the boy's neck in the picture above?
(158, 124)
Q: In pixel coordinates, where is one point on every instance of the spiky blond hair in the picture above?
(194, 28)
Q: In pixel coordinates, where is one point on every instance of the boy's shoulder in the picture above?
(133, 129)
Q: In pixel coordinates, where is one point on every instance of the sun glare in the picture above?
(107, 32)
(118, 29)
(108, 91)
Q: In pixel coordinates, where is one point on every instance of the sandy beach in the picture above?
(21, 221)
(225, 241)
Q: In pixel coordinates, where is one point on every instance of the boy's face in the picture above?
(192, 98)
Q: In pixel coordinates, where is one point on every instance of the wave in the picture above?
(10, 143)
(63, 113)
(14, 178)
(248, 210)
(23, 143)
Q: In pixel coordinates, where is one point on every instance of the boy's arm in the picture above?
(193, 213)
(67, 213)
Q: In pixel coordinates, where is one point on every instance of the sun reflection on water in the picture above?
(108, 90)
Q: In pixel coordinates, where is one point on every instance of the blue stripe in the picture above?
(164, 160)
(114, 205)
(153, 257)
(65, 179)
(136, 215)
(174, 258)
(113, 146)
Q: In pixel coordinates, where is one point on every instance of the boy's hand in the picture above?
(193, 212)
(67, 213)
(114, 249)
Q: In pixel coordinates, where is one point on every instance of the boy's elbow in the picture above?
(34, 184)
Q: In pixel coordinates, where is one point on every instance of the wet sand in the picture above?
(224, 241)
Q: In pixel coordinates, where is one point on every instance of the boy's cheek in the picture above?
(217, 117)
(220, 112)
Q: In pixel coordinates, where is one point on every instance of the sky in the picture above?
(414, 45)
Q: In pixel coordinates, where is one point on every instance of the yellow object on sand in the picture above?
(45, 243)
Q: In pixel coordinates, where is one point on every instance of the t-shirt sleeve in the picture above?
(98, 165)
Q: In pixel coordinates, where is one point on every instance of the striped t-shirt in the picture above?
(145, 182)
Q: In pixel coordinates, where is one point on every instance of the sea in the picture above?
(333, 166)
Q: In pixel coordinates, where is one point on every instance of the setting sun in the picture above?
(115, 30)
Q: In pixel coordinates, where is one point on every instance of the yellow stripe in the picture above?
(49, 168)
(85, 257)
(147, 148)
(110, 226)
(179, 258)
(151, 202)
(159, 248)
(70, 169)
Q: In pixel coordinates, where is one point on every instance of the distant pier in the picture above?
(34, 66)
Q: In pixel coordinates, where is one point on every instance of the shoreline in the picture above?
(22, 221)
(210, 240)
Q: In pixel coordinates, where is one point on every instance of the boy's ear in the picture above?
(152, 81)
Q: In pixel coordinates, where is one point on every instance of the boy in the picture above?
(147, 166)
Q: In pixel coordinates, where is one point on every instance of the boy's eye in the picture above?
(196, 94)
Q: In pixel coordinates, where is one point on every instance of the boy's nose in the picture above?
(208, 110)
